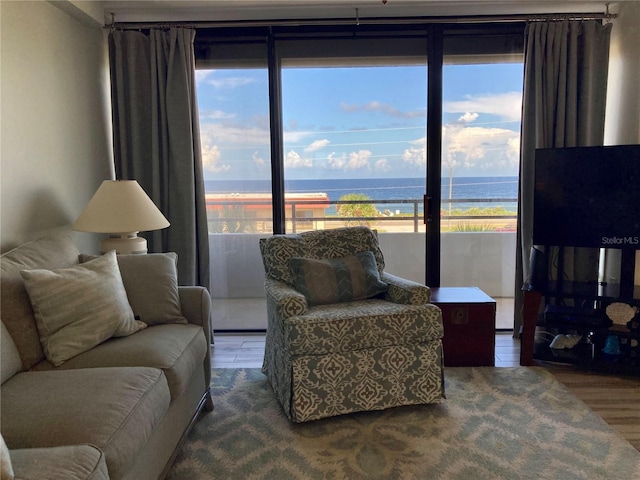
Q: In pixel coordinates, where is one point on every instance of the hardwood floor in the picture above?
(615, 399)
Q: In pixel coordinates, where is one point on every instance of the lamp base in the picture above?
(124, 244)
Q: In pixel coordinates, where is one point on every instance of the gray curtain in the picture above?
(156, 138)
(565, 83)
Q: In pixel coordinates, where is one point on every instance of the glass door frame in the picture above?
(495, 37)
(433, 195)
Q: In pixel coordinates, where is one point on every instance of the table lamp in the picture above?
(121, 208)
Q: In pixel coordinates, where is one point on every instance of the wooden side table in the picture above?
(469, 318)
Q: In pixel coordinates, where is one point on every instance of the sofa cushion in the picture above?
(335, 280)
(50, 252)
(115, 409)
(78, 307)
(361, 325)
(151, 282)
(69, 462)
(10, 363)
(176, 349)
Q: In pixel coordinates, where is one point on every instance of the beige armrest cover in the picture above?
(195, 303)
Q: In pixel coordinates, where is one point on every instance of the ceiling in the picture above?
(234, 10)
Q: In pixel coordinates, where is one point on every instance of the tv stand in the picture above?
(627, 272)
(587, 320)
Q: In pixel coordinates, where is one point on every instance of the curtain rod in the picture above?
(357, 20)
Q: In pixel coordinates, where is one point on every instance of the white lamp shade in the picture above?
(120, 206)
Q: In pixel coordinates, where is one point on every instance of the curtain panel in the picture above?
(157, 140)
(565, 84)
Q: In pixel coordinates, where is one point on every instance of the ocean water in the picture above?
(388, 189)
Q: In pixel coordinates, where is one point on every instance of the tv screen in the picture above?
(587, 197)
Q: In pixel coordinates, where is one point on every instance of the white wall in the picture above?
(55, 133)
(483, 259)
(622, 125)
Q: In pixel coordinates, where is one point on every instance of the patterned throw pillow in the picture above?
(79, 307)
(337, 280)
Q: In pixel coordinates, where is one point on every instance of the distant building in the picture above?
(252, 212)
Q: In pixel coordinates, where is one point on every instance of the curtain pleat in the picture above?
(157, 141)
(565, 83)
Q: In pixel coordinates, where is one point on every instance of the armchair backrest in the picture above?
(277, 250)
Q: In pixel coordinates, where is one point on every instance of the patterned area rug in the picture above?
(496, 423)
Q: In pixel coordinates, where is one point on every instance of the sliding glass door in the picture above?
(354, 144)
(328, 126)
(481, 116)
(234, 129)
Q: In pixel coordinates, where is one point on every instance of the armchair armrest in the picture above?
(284, 300)
(405, 291)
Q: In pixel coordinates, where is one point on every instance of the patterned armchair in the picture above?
(343, 335)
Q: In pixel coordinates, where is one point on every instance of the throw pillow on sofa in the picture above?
(79, 307)
(151, 283)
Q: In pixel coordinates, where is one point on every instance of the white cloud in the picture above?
(385, 108)
(215, 115)
(202, 75)
(231, 82)
(468, 117)
(294, 160)
(335, 162)
(416, 155)
(225, 133)
(358, 160)
(489, 149)
(295, 136)
(381, 165)
(506, 105)
(353, 161)
(513, 148)
(260, 162)
(211, 159)
(316, 145)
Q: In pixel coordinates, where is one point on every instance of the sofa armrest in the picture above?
(284, 301)
(405, 291)
(195, 303)
(68, 461)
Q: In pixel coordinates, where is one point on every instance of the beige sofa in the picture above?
(118, 410)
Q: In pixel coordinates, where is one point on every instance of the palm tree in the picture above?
(356, 210)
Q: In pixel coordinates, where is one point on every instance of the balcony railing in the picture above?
(482, 258)
(229, 216)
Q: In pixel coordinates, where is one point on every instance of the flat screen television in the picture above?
(587, 197)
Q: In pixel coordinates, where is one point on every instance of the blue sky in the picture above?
(360, 122)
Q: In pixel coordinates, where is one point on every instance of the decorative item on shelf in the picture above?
(121, 208)
(563, 341)
(611, 350)
(621, 313)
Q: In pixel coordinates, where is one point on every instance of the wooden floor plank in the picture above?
(616, 399)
